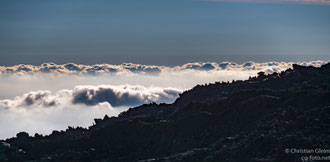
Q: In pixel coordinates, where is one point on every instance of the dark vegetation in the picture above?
(252, 120)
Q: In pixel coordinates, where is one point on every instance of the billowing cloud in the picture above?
(39, 98)
(131, 69)
(123, 95)
(116, 96)
(78, 69)
(321, 2)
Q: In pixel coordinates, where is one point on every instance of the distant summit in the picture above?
(264, 118)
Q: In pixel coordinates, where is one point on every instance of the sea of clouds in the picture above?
(39, 99)
(130, 68)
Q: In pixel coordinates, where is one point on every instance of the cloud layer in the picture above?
(130, 68)
(321, 2)
(106, 95)
(33, 119)
(39, 99)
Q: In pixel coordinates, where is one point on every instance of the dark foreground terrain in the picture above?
(254, 120)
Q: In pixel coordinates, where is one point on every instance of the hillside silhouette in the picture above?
(253, 120)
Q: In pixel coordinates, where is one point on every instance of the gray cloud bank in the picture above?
(103, 95)
(130, 68)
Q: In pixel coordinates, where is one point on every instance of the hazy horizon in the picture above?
(170, 60)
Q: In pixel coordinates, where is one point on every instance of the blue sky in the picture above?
(161, 31)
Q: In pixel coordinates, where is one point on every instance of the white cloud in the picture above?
(103, 95)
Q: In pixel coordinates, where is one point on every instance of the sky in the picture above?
(163, 32)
